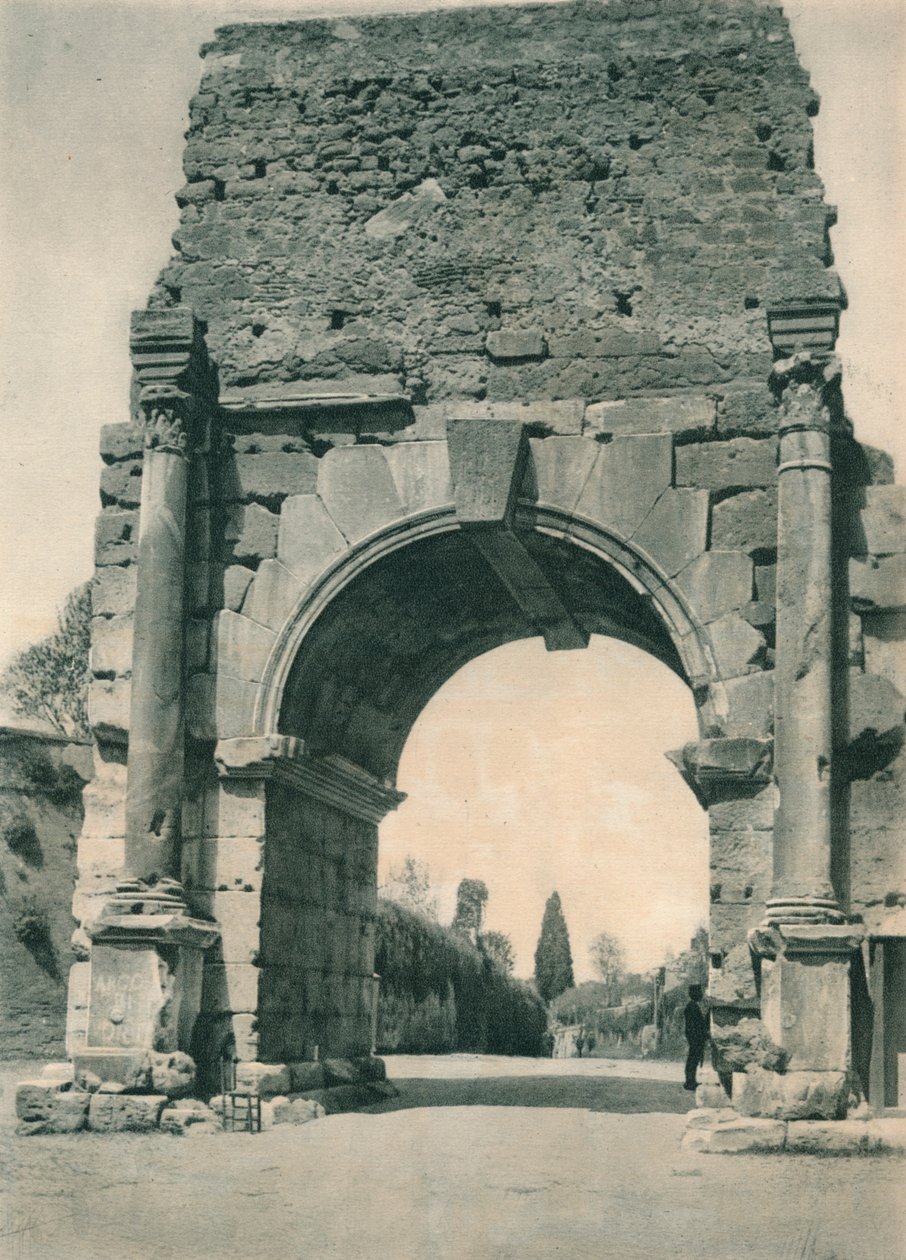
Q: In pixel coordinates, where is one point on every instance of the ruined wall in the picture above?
(41, 780)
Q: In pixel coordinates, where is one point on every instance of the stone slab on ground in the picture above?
(125, 1113)
(724, 1131)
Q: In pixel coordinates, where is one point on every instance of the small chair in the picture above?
(241, 1108)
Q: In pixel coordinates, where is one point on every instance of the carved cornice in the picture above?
(332, 779)
(805, 325)
(806, 939)
(161, 343)
(713, 767)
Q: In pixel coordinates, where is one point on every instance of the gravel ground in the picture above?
(430, 1181)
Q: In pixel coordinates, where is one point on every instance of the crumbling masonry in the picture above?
(481, 325)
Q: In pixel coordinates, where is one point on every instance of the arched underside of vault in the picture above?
(390, 639)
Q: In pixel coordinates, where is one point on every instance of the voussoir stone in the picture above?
(675, 531)
(273, 595)
(250, 531)
(561, 466)
(717, 582)
(308, 540)
(243, 646)
(738, 646)
(626, 480)
(421, 473)
(356, 486)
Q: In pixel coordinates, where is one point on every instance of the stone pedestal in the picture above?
(145, 989)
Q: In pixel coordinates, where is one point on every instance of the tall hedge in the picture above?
(439, 993)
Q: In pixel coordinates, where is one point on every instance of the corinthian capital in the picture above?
(167, 413)
(807, 387)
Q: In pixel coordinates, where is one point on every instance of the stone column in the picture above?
(146, 951)
(810, 405)
(805, 947)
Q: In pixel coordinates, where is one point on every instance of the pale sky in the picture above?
(94, 106)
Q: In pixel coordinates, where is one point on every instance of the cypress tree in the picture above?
(553, 958)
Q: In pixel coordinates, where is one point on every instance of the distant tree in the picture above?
(692, 964)
(409, 885)
(553, 958)
(48, 681)
(499, 948)
(471, 899)
(609, 962)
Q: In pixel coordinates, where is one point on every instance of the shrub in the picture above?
(19, 836)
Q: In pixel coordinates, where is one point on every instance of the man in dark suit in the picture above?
(696, 1022)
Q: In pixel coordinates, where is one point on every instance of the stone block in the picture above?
(745, 522)
(487, 463)
(516, 343)
(110, 654)
(725, 465)
(231, 986)
(356, 486)
(242, 647)
(883, 521)
(306, 1076)
(681, 413)
(560, 467)
(754, 810)
(738, 1046)
(747, 411)
(198, 586)
(100, 860)
(50, 1106)
(77, 1006)
(108, 709)
(308, 540)
(738, 647)
(125, 1113)
(189, 1117)
(740, 865)
(878, 584)
(122, 484)
(563, 418)
(884, 646)
(876, 714)
(269, 475)
(115, 537)
(627, 479)
(228, 863)
(104, 803)
(237, 913)
(675, 531)
(273, 595)
(750, 706)
(113, 590)
(234, 807)
(236, 581)
(792, 1095)
(172, 1073)
(717, 582)
(121, 441)
(833, 1137)
(250, 532)
(197, 643)
(421, 474)
(766, 583)
(733, 983)
(297, 1110)
(266, 1079)
(409, 208)
(731, 1137)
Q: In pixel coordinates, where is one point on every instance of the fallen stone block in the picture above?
(266, 1079)
(50, 1106)
(172, 1074)
(790, 1095)
(296, 1110)
(736, 1046)
(836, 1137)
(190, 1117)
(736, 1135)
(305, 1076)
(125, 1113)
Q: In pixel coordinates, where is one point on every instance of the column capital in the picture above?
(168, 415)
(796, 939)
(713, 767)
(808, 389)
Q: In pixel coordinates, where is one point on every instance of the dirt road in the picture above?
(440, 1182)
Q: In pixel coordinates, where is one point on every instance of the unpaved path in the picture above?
(446, 1183)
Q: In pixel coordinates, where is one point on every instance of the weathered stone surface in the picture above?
(678, 414)
(121, 441)
(111, 646)
(723, 465)
(250, 532)
(563, 418)
(267, 1079)
(730, 1137)
(50, 1106)
(883, 521)
(190, 1117)
(242, 646)
(516, 343)
(560, 467)
(630, 476)
(356, 487)
(747, 410)
(421, 473)
(125, 1113)
(766, 583)
(297, 1110)
(745, 522)
(878, 584)
(487, 460)
(309, 539)
(753, 810)
(717, 582)
(108, 708)
(122, 484)
(234, 808)
(877, 713)
(675, 531)
(223, 864)
(269, 475)
(236, 580)
(272, 596)
(738, 646)
(406, 210)
(113, 590)
(306, 1076)
(883, 640)
(833, 1137)
(172, 1073)
(750, 706)
(791, 1095)
(736, 1046)
(115, 536)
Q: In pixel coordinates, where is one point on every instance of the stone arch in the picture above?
(373, 634)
